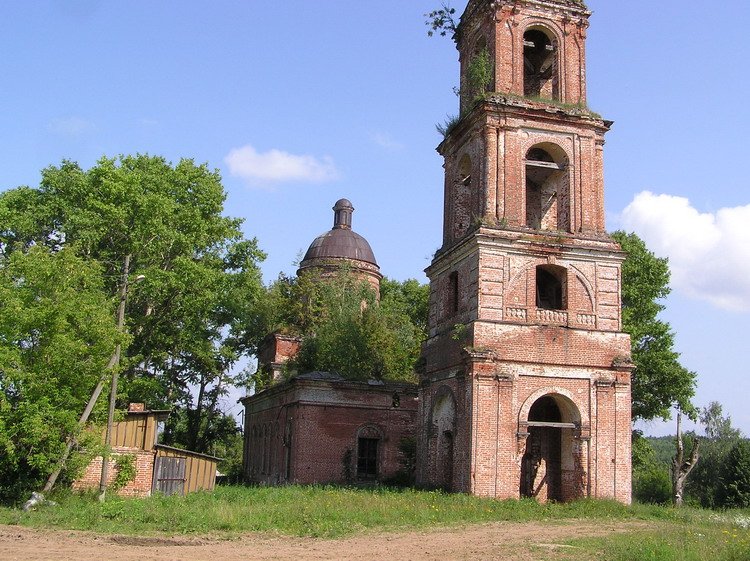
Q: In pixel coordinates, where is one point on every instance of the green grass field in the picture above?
(331, 512)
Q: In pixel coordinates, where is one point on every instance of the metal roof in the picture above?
(341, 242)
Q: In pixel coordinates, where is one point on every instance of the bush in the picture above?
(651, 480)
(125, 471)
(653, 485)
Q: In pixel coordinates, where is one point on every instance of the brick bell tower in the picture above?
(525, 377)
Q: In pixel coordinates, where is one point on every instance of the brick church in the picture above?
(525, 376)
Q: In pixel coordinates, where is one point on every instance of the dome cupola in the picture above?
(342, 246)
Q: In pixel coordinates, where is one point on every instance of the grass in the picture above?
(681, 543)
(331, 512)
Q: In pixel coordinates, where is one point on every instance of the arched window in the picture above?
(551, 287)
(540, 76)
(547, 188)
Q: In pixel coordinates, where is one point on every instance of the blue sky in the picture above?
(299, 103)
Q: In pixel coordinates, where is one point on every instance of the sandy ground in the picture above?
(506, 541)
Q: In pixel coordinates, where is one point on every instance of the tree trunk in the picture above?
(681, 467)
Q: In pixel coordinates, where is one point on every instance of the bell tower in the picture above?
(525, 377)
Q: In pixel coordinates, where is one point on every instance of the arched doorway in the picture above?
(550, 467)
(443, 433)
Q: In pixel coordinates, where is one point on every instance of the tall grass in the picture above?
(333, 512)
(295, 510)
(688, 543)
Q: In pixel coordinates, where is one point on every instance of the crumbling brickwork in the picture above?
(526, 374)
(315, 427)
(140, 486)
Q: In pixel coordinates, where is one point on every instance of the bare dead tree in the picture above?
(682, 467)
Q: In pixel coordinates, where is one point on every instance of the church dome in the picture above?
(341, 242)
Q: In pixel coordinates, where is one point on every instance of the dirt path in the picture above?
(507, 541)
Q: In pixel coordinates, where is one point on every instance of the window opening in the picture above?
(540, 65)
(453, 292)
(546, 192)
(367, 458)
(550, 289)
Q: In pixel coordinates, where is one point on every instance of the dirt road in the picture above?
(506, 541)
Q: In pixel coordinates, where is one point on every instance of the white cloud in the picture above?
(708, 252)
(148, 123)
(276, 166)
(71, 126)
(386, 141)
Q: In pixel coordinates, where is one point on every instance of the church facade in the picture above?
(525, 377)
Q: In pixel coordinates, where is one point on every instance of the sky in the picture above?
(299, 103)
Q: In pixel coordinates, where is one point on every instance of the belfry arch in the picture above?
(547, 188)
(464, 197)
(540, 64)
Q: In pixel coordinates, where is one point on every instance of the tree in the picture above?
(57, 332)
(734, 477)
(659, 380)
(704, 486)
(651, 481)
(343, 327)
(409, 297)
(718, 427)
(355, 337)
(186, 319)
(442, 21)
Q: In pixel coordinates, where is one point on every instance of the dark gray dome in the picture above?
(341, 242)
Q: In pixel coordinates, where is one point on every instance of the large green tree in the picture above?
(200, 275)
(720, 437)
(734, 477)
(344, 328)
(660, 382)
(57, 332)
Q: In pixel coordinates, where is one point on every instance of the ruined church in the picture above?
(524, 380)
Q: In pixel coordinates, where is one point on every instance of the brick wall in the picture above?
(139, 487)
(501, 26)
(308, 430)
(514, 355)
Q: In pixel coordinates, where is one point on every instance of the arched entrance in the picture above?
(443, 433)
(551, 467)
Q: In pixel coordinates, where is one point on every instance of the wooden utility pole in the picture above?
(115, 376)
(52, 479)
